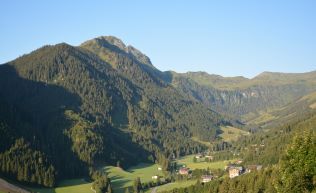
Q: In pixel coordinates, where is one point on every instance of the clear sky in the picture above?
(223, 37)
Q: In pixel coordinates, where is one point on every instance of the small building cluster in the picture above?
(235, 170)
(204, 155)
(207, 178)
(184, 171)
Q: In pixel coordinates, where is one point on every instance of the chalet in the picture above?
(209, 157)
(154, 177)
(235, 171)
(251, 168)
(207, 178)
(238, 161)
(227, 167)
(184, 171)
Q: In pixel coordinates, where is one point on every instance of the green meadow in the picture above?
(231, 133)
(201, 164)
(170, 186)
(121, 179)
(67, 186)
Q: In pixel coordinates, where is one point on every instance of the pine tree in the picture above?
(137, 185)
(297, 168)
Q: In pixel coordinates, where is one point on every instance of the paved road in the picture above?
(7, 187)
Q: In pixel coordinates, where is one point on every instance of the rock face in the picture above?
(114, 43)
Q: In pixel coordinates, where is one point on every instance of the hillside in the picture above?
(244, 98)
(101, 102)
(294, 110)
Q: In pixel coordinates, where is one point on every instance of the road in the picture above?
(7, 187)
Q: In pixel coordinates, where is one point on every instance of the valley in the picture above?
(100, 117)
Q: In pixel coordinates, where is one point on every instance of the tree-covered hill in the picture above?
(75, 107)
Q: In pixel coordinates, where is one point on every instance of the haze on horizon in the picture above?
(227, 38)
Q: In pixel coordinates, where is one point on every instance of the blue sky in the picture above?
(224, 37)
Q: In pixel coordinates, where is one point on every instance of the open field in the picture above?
(231, 133)
(121, 179)
(202, 142)
(201, 164)
(170, 186)
(67, 186)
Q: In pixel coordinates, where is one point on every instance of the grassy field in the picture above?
(202, 142)
(201, 164)
(124, 178)
(231, 133)
(67, 186)
(120, 179)
(170, 186)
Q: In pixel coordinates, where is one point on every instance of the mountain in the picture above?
(101, 102)
(244, 98)
(66, 110)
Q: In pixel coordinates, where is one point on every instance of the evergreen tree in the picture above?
(297, 168)
(137, 185)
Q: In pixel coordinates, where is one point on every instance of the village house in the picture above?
(238, 161)
(154, 177)
(251, 168)
(230, 166)
(207, 178)
(184, 171)
(235, 171)
(159, 168)
(209, 157)
(198, 156)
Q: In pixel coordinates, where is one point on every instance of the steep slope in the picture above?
(293, 110)
(156, 89)
(101, 102)
(245, 98)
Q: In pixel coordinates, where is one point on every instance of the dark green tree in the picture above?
(297, 169)
(137, 185)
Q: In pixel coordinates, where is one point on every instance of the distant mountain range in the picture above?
(105, 102)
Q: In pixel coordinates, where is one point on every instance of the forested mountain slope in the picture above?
(100, 102)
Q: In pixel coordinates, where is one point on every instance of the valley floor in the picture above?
(121, 179)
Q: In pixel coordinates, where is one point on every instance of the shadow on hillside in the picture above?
(35, 111)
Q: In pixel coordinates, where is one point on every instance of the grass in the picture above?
(202, 142)
(122, 179)
(231, 133)
(313, 106)
(173, 185)
(201, 164)
(67, 186)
